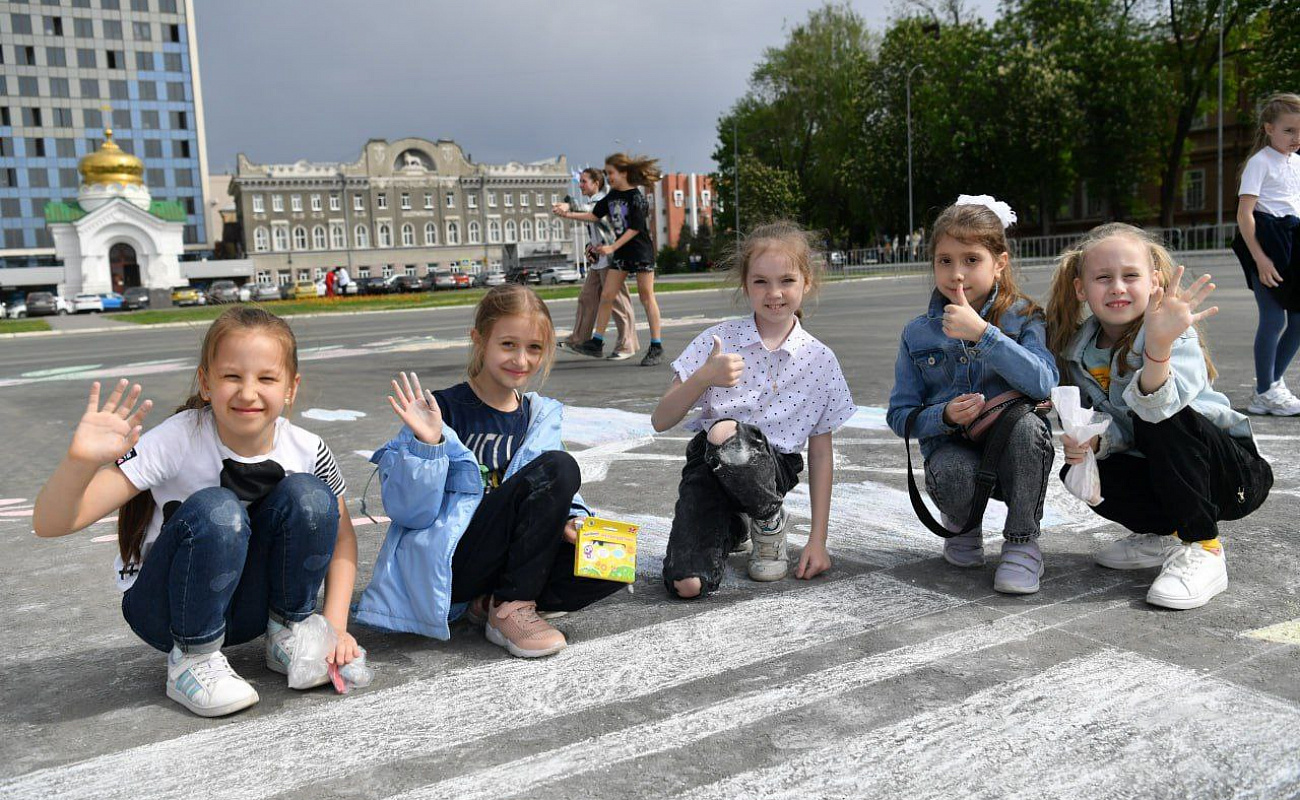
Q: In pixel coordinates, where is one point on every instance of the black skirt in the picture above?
(1279, 238)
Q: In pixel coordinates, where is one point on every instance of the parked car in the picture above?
(223, 292)
(490, 278)
(261, 292)
(186, 296)
(371, 286)
(304, 289)
(554, 275)
(407, 283)
(135, 297)
(17, 309)
(90, 303)
(45, 304)
(112, 301)
(463, 280)
(443, 279)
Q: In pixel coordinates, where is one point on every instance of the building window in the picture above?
(295, 203)
(358, 203)
(280, 235)
(430, 234)
(20, 23)
(557, 230)
(284, 278)
(318, 237)
(473, 231)
(149, 91)
(315, 202)
(523, 199)
(408, 235)
(381, 200)
(406, 201)
(54, 26)
(361, 236)
(494, 231)
(259, 205)
(336, 202)
(56, 57)
(277, 202)
(428, 199)
(705, 197)
(512, 233)
(172, 62)
(453, 233)
(261, 241)
(410, 270)
(384, 235)
(263, 276)
(492, 199)
(337, 241)
(510, 200)
(538, 197)
(1194, 190)
(526, 230)
(299, 238)
(678, 197)
(555, 198)
(543, 232)
(180, 121)
(451, 199)
(387, 271)
(471, 201)
(142, 31)
(363, 272)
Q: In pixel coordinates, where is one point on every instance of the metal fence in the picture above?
(888, 259)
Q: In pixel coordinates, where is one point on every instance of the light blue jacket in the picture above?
(933, 368)
(1188, 385)
(430, 493)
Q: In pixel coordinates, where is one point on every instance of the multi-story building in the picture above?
(403, 207)
(68, 70)
(680, 199)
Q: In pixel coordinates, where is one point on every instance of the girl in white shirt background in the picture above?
(766, 388)
(1268, 218)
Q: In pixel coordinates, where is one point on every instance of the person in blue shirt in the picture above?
(483, 499)
(980, 338)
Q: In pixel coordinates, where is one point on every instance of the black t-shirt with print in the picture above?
(493, 436)
(628, 210)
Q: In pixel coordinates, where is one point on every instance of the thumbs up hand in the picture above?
(722, 369)
(961, 320)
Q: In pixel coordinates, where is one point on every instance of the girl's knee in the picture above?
(566, 475)
(215, 509)
(722, 431)
(309, 494)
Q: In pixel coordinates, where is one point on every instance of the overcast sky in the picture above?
(518, 80)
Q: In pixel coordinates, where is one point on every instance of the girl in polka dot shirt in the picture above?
(765, 388)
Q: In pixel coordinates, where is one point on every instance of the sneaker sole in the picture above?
(964, 564)
(214, 711)
(550, 614)
(618, 356)
(1185, 603)
(497, 638)
(1148, 564)
(276, 666)
(1260, 411)
(762, 577)
(1003, 588)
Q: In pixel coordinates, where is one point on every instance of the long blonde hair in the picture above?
(797, 243)
(133, 518)
(973, 224)
(1065, 309)
(640, 170)
(511, 300)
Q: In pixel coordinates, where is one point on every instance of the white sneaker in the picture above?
(1138, 551)
(769, 560)
(1190, 578)
(1277, 401)
(279, 652)
(205, 684)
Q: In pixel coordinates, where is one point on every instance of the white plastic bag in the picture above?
(1080, 424)
(313, 639)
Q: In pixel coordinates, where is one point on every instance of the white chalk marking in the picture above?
(449, 710)
(357, 522)
(1106, 725)
(592, 426)
(22, 512)
(594, 461)
(1284, 632)
(366, 454)
(11, 501)
(333, 414)
(50, 373)
(681, 730)
(102, 539)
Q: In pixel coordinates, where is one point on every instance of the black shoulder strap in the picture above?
(985, 479)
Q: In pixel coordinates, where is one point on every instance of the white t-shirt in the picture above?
(1275, 179)
(343, 278)
(791, 393)
(184, 454)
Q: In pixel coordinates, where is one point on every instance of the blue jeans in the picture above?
(218, 570)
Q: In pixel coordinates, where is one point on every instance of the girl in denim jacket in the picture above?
(981, 337)
(1176, 458)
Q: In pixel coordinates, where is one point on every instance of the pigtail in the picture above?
(1064, 309)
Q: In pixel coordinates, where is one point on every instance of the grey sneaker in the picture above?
(769, 560)
(1020, 568)
(966, 550)
(653, 356)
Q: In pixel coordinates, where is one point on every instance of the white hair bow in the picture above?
(999, 208)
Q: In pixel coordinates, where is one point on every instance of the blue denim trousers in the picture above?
(217, 571)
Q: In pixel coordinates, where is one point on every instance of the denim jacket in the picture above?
(430, 493)
(1188, 385)
(933, 368)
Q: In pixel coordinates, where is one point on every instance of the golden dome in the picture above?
(110, 165)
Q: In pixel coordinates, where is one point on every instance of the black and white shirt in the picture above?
(626, 210)
(184, 454)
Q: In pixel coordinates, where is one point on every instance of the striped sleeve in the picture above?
(327, 469)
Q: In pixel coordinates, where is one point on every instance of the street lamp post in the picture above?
(911, 225)
(1218, 221)
(735, 166)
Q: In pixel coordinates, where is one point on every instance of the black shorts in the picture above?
(634, 268)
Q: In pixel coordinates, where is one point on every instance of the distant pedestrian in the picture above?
(330, 277)
(591, 182)
(1268, 218)
(632, 252)
(341, 282)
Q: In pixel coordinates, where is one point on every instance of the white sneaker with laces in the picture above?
(769, 560)
(1138, 551)
(205, 684)
(1190, 578)
(279, 651)
(1277, 401)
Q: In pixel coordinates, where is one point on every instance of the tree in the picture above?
(703, 245)
(1274, 60)
(766, 193)
(685, 238)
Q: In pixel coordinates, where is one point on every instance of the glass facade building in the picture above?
(62, 64)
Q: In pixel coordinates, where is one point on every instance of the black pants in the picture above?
(743, 475)
(514, 547)
(1193, 476)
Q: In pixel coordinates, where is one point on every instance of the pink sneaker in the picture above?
(515, 626)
